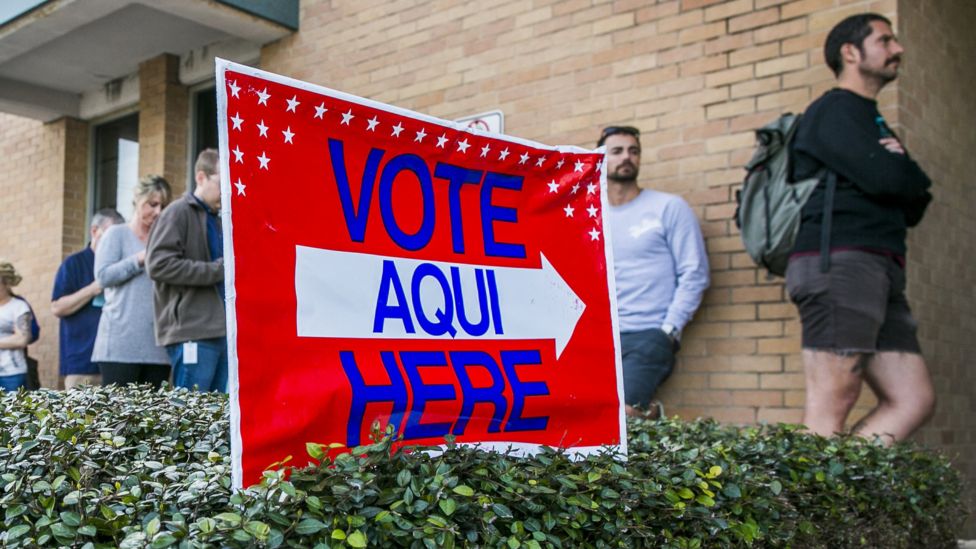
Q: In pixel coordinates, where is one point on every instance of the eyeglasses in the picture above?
(614, 130)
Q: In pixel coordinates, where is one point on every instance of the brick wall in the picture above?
(163, 121)
(35, 234)
(937, 116)
(696, 76)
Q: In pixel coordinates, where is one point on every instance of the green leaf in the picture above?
(70, 518)
(257, 529)
(686, 493)
(17, 531)
(501, 510)
(163, 540)
(338, 534)
(309, 526)
(463, 490)
(232, 518)
(448, 506)
(776, 487)
(357, 539)
(732, 491)
(714, 471)
(153, 527)
(314, 450)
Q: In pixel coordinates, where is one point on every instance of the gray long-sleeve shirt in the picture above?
(659, 261)
(125, 331)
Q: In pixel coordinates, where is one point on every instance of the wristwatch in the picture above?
(671, 331)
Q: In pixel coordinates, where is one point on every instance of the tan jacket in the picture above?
(187, 304)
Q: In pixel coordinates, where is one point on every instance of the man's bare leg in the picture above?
(833, 383)
(906, 398)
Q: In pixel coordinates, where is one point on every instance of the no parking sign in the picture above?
(386, 266)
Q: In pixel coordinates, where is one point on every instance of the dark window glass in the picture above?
(204, 126)
(116, 164)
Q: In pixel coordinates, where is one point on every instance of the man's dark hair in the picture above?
(852, 30)
(616, 130)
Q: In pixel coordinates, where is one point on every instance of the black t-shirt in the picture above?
(879, 193)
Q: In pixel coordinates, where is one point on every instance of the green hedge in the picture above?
(135, 467)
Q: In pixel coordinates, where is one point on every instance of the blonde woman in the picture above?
(125, 347)
(15, 331)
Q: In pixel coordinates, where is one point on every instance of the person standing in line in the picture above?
(855, 319)
(76, 300)
(15, 331)
(186, 264)
(125, 349)
(660, 267)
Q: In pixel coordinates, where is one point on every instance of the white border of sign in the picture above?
(222, 65)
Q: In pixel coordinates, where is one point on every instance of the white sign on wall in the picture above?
(491, 121)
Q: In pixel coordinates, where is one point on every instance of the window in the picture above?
(203, 130)
(116, 164)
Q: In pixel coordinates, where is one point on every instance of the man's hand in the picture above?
(892, 144)
(71, 303)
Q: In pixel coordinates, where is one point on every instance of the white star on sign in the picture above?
(599, 165)
(591, 188)
(237, 121)
(396, 130)
(592, 210)
(320, 110)
(234, 88)
(524, 158)
(420, 136)
(263, 96)
(553, 186)
(569, 211)
(263, 159)
(484, 150)
(442, 140)
(346, 117)
(504, 154)
(463, 146)
(540, 161)
(238, 154)
(560, 163)
(240, 187)
(575, 188)
(288, 135)
(372, 123)
(263, 129)
(579, 166)
(594, 234)
(292, 103)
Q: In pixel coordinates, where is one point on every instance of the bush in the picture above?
(133, 467)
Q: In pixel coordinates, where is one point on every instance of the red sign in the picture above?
(386, 266)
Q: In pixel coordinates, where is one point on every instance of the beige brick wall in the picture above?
(937, 116)
(163, 121)
(696, 76)
(38, 225)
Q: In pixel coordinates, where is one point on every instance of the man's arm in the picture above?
(21, 336)
(846, 140)
(690, 261)
(72, 303)
(166, 259)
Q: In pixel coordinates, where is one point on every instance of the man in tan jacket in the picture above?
(185, 260)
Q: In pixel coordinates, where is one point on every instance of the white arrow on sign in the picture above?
(337, 294)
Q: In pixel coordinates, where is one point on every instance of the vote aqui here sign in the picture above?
(387, 266)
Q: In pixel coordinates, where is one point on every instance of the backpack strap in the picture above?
(827, 220)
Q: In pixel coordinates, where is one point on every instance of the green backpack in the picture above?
(769, 204)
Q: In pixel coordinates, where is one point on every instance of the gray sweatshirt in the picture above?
(125, 331)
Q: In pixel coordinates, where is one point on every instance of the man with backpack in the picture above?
(660, 266)
(846, 273)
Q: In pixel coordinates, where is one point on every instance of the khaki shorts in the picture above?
(858, 306)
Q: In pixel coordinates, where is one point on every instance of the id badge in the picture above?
(190, 352)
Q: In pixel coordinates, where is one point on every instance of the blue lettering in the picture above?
(481, 327)
(472, 395)
(356, 216)
(523, 389)
(384, 310)
(363, 394)
(445, 316)
(415, 165)
(491, 213)
(457, 176)
(422, 394)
